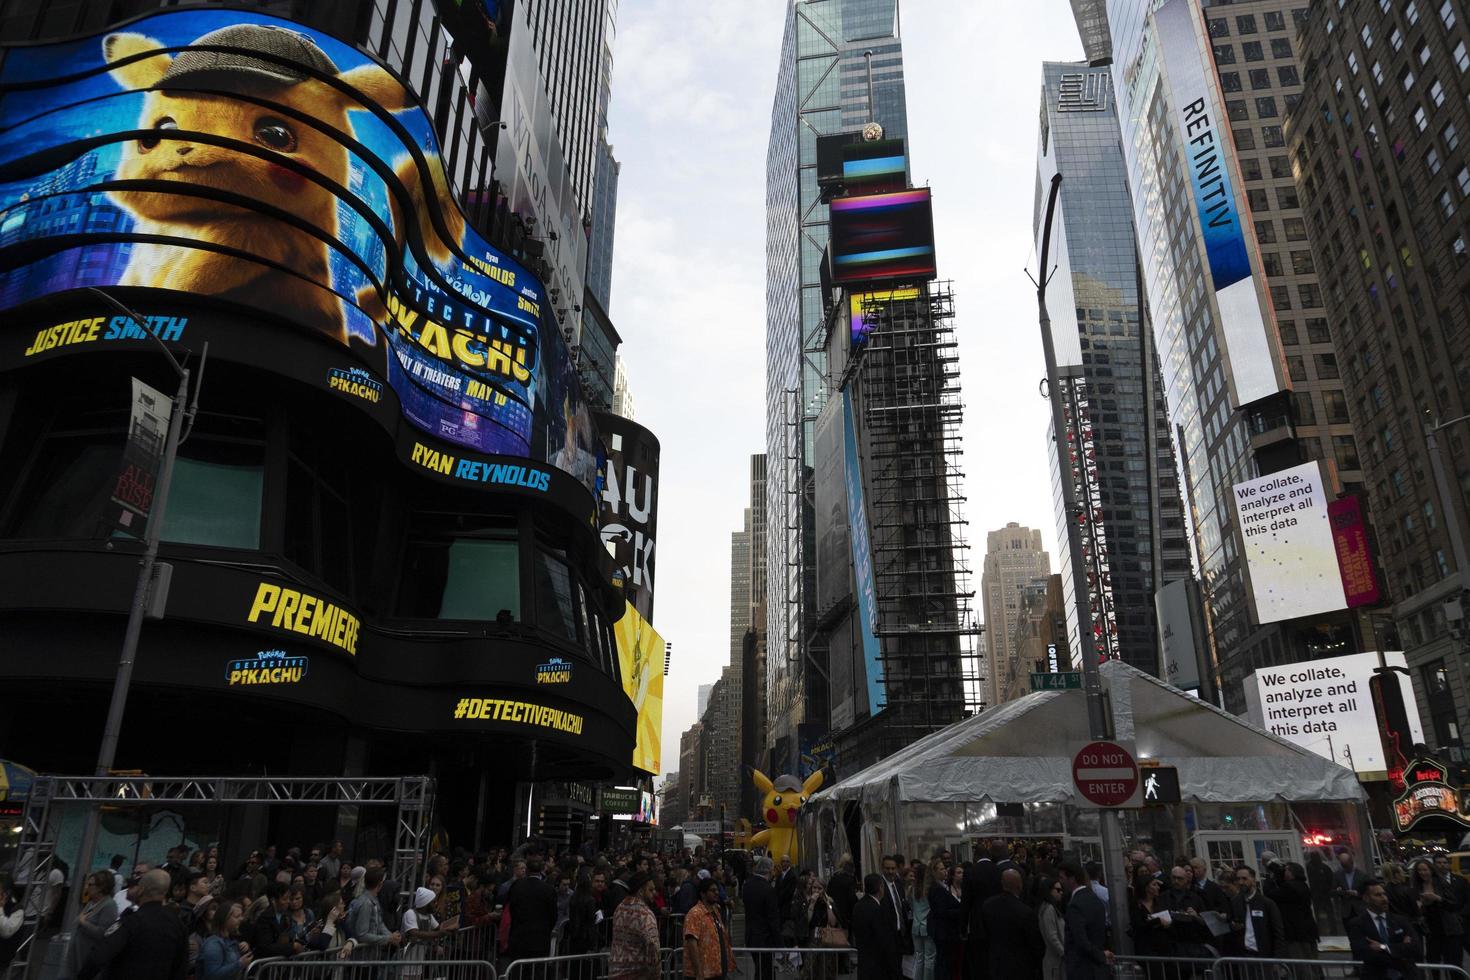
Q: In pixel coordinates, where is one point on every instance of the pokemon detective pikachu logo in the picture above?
(239, 156)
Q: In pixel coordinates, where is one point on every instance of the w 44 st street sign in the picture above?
(1070, 680)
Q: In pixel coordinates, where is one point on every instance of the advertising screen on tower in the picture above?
(862, 561)
(628, 511)
(641, 663)
(1207, 151)
(256, 163)
(1290, 553)
(883, 237)
(1329, 707)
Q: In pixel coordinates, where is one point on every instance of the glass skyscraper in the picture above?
(1103, 342)
(1222, 368)
(841, 66)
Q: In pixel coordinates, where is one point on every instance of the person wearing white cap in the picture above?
(419, 923)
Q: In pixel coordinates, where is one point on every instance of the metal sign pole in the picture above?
(1099, 722)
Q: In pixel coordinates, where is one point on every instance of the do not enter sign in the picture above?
(1105, 774)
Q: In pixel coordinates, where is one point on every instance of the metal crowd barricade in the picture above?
(583, 966)
(671, 930)
(1259, 968)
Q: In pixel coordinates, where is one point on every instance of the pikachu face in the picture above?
(782, 801)
(165, 155)
(171, 113)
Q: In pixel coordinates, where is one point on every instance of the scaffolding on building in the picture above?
(907, 382)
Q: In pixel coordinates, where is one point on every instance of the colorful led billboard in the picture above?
(883, 237)
(259, 163)
(874, 166)
(641, 662)
(865, 308)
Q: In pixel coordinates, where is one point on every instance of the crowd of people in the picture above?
(1014, 911)
(1024, 912)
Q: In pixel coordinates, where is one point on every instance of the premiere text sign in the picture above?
(1106, 775)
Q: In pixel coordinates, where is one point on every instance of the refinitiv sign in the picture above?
(1207, 145)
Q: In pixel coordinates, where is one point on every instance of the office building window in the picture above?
(1260, 77)
(1251, 51)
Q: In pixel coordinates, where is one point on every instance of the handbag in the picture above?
(833, 937)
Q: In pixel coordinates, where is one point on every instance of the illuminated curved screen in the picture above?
(258, 162)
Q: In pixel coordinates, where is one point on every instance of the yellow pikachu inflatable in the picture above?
(781, 802)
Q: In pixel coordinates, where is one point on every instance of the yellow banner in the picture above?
(641, 661)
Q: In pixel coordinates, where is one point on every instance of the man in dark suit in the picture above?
(1347, 887)
(1385, 942)
(1212, 896)
(873, 935)
(1086, 956)
(982, 882)
(785, 883)
(1015, 947)
(1255, 920)
(896, 905)
(532, 904)
(762, 916)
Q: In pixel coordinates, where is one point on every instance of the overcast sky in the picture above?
(691, 112)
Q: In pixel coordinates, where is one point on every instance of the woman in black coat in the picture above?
(946, 921)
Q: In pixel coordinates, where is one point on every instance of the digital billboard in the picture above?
(873, 166)
(862, 561)
(1354, 559)
(255, 162)
(628, 510)
(1177, 610)
(883, 237)
(1328, 707)
(864, 308)
(1207, 149)
(641, 664)
(1290, 554)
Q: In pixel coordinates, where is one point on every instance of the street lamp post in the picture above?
(122, 682)
(1099, 721)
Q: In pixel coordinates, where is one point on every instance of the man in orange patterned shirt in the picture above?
(707, 952)
(635, 954)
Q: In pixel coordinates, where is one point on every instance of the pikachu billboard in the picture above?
(260, 164)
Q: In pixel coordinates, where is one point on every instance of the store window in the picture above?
(461, 566)
(556, 608)
(215, 497)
